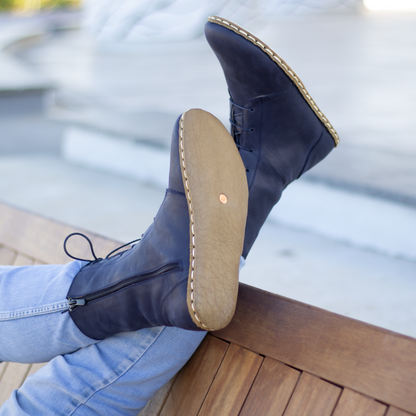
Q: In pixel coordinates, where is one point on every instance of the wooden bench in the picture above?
(277, 357)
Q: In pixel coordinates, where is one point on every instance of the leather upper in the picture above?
(153, 302)
(278, 134)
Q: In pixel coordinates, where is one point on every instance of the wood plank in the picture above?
(272, 389)
(28, 232)
(352, 403)
(393, 411)
(12, 379)
(313, 397)
(232, 382)
(22, 260)
(7, 256)
(195, 379)
(156, 403)
(3, 366)
(365, 358)
(42, 238)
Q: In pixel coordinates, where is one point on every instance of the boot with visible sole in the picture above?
(279, 130)
(184, 271)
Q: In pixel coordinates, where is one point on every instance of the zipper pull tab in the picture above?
(73, 303)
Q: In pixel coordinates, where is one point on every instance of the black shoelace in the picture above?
(96, 259)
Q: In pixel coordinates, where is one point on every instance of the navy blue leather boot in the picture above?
(184, 271)
(278, 129)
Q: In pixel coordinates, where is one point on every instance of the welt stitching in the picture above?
(276, 58)
(191, 216)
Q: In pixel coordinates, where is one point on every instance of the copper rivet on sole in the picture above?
(223, 199)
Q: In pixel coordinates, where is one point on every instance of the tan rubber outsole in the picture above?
(215, 184)
(283, 65)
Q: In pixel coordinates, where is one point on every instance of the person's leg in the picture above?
(33, 327)
(116, 376)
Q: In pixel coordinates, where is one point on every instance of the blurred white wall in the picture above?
(176, 20)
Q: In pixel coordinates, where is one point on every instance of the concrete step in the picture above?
(152, 128)
(136, 146)
(363, 91)
(23, 89)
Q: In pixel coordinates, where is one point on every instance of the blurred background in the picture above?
(90, 90)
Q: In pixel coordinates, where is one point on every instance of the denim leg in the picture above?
(116, 376)
(32, 325)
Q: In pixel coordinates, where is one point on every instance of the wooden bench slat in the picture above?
(232, 383)
(393, 411)
(352, 403)
(274, 384)
(42, 238)
(190, 389)
(336, 348)
(12, 379)
(313, 397)
(22, 260)
(33, 235)
(3, 366)
(156, 403)
(7, 256)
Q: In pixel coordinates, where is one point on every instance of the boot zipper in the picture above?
(75, 302)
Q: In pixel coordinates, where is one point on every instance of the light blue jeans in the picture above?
(116, 376)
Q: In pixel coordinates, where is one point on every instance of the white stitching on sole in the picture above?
(191, 216)
(290, 73)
